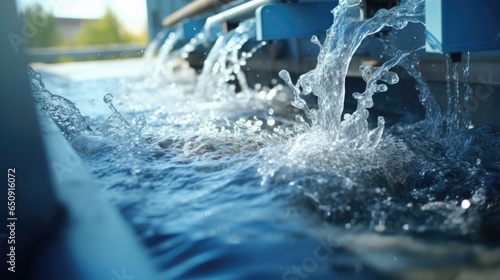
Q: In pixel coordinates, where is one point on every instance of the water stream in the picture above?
(224, 62)
(225, 181)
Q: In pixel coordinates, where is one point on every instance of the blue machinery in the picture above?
(452, 26)
(455, 26)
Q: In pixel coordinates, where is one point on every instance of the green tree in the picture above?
(43, 24)
(106, 30)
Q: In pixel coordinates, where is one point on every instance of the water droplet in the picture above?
(465, 204)
(108, 98)
(285, 76)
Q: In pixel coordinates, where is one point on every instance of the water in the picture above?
(223, 63)
(327, 80)
(198, 40)
(230, 182)
(164, 61)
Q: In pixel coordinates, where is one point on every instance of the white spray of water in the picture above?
(198, 40)
(65, 114)
(150, 50)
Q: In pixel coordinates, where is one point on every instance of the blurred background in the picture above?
(77, 30)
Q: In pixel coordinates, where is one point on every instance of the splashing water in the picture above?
(433, 114)
(66, 115)
(114, 131)
(327, 80)
(316, 147)
(181, 187)
(223, 63)
(391, 172)
(448, 128)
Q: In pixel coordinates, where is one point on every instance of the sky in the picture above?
(132, 13)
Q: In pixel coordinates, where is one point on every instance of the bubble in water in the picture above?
(108, 98)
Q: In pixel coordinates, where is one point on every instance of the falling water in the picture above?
(467, 122)
(410, 64)
(165, 61)
(161, 71)
(198, 40)
(151, 49)
(223, 63)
